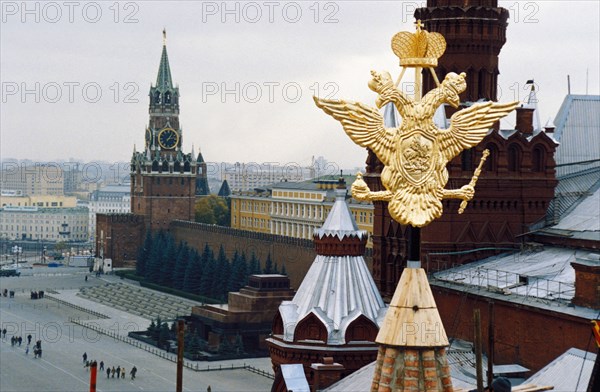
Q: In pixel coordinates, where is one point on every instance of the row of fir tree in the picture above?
(164, 262)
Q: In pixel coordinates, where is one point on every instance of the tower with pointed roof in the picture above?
(164, 179)
(337, 310)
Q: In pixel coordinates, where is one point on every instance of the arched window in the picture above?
(491, 164)
(538, 159)
(167, 97)
(157, 97)
(514, 158)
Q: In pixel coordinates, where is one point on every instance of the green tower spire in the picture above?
(163, 80)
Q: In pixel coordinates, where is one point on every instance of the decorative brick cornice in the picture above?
(332, 245)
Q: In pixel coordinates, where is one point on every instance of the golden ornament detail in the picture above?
(416, 153)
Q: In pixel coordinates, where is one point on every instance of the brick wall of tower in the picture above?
(162, 198)
(118, 237)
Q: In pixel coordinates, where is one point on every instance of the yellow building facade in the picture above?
(293, 209)
(42, 201)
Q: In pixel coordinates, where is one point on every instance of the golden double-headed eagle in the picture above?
(415, 154)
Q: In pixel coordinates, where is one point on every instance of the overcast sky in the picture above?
(90, 65)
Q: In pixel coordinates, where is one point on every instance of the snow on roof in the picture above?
(569, 372)
(584, 217)
(578, 131)
(546, 274)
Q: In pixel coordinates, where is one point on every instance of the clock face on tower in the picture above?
(168, 138)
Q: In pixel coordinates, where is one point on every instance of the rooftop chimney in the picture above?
(587, 281)
(525, 120)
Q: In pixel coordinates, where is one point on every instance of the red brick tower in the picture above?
(163, 178)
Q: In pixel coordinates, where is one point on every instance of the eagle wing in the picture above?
(363, 124)
(470, 125)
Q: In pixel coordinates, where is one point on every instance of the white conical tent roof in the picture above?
(336, 289)
(340, 221)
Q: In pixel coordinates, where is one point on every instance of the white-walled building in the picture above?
(44, 224)
(110, 199)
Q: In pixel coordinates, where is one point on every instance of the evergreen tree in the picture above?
(268, 265)
(238, 273)
(181, 263)
(163, 335)
(193, 273)
(254, 265)
(226, 347)
(245, 268)
(283, 271)
(153, 267)
(168, 262)
(208, 272)
(275, 269)
(222, 275)
(143, 254)
(151, 329)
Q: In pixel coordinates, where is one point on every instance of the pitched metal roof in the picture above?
(545, 274)
(569, 372)
(578, 131)
(340, 221)
(336, 289)
(584, 217)
(570, 189)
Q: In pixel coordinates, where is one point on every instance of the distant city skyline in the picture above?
(75, 77)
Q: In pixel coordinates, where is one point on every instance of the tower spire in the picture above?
(163, 80)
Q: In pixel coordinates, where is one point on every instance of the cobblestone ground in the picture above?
(64, 342)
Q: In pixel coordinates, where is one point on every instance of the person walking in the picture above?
(4, 333)
(118, 371)
(84, 357)
(101, 365)
(27, 350)
(28, 338)
(107, 372)
(113, 371)
(133, 372)
(123, 373)
(20, 340)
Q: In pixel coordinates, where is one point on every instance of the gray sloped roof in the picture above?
(336, 289)
(569, 372)
(546, 274)
(584, 217)
(578, 131)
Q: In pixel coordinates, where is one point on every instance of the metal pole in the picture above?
(491, 337)
(180, 328)
(478, 354)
